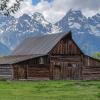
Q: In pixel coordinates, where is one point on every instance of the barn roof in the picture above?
(38, 45)
(15, 59)
(34, 47)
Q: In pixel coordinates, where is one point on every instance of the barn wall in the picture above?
(6, 72)
(67, 68)
(38, 72)
(32, 69)
(66, 46)
(34, 72)
(91, 69)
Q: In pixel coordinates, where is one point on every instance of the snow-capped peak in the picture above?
(73, 12)
(38, 16)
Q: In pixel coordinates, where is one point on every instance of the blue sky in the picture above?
(37, 1)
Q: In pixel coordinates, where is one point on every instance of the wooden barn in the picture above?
(49, 57)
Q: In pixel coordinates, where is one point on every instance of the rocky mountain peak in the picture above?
(38, 16)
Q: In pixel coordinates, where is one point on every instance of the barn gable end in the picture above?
(66, 46)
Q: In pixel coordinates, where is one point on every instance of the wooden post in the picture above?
(27, 70)
(12, 66)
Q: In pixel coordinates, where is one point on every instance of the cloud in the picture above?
(55, 10)
(26, 7)
(90, 4)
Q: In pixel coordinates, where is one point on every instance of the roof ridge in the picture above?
(45, 35)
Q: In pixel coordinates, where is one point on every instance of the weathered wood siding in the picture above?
(34, 72)
(66, 67)
(38, 72)
(6, 72)
(35, 69)
(91, 69)
(66, 46)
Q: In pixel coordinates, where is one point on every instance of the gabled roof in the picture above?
(38, 45)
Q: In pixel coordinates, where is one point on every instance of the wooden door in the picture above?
(22, 72)
(57, 72)
(72, 71)
(66, 70)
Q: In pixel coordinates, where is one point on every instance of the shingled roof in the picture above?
(38, 45)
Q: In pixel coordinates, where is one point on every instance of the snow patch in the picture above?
(95, 30)
(98, 25)
(70, 19)
(76, 25)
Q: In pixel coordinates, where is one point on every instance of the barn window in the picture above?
(88, 61)
(57, 65)
(69, 65)
(41, 60)
(74, 65)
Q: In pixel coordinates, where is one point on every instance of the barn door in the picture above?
(22, 72)
(57, 72)
(56, 69)
(72, 71)
(66, 70)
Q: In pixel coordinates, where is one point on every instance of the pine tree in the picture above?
(6, 10)
(97, 55)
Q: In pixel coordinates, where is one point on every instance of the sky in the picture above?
(54, 10)
(34, 2)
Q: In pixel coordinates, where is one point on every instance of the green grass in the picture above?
(50, 90)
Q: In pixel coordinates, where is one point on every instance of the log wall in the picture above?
(6, 72)
(91, 69)
(38, 72)
(33, 72)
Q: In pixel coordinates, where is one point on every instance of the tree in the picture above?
(97, 55)
(5, 9)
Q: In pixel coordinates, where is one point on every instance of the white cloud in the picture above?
(57, 9)
(26, 7)
(11, 2)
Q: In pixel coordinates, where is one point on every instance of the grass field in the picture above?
(50, 90)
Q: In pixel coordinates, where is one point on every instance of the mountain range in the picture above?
(86, 31)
